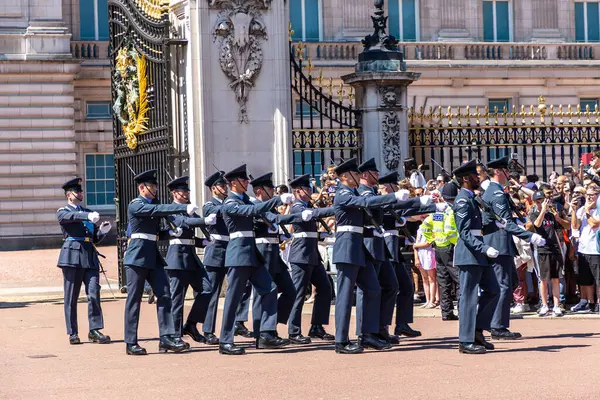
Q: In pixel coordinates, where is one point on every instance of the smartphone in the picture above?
(568, 170)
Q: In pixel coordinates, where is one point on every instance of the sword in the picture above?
(311, 205)
(104, 272)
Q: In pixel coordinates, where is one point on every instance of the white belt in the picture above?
(476, 232)
(349, 228)
(267, 240)
(309, 235)
(223, 238)
(188, 242)
(241, 234)
(145, 236)
(391, 233)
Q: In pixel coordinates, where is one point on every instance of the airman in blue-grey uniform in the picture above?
(214, 253)
(307, 266)
(184, 268)
(499, 235)
(479, 288)
(143, 262)
(352, 264)
(247, 264)
(79, 261)
(267, 243)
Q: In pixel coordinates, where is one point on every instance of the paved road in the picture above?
(557, 360)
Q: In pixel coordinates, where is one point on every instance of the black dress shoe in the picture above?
(241, 330)
(267, 340)
(175, 345)
(348, 348)
(300, 339)
(318, 332)
(450, 317)
(74, 339)
(505, 334)
(98, 337)
(370, 341)
(211, 338)
(151, 296)
(480, 340)
(231, 349)
(471, 348)
(391, 339)
(192, 331)
(135, 350)
(406, 330)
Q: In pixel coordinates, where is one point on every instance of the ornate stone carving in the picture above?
(239, 30)
(380, 39)
(390, 126)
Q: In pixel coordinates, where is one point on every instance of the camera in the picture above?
(513, 165)
(568, 170)
(423, 167)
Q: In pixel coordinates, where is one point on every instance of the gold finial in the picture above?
(351, 94)
(542, 107)
(340, 93)
(310, 67)
(320, 78)
(290, 31)
(330, 86)
(300, 51)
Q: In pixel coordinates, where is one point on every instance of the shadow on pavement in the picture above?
(21, 304)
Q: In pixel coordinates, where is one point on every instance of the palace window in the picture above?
(591, 102)
(93, 19)
(303, 109)
(404, 19)
(305, 16)
(499, 104)
(587, 21)
(98, 110)
(100, 179)
(304, 162)
(497, 21)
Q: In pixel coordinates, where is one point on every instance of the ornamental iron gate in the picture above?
(144, 85)
(545, 139)
(324, 130)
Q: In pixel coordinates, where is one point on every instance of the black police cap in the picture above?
(467, 168)
(449, 191)
(263, 180)
(237, 173)
(499, 163)
(215, 179)
(73, 184)
(367, 166)
(392, 177)
(180, 183)
(301, 181)
(349, 165)
(146, 177)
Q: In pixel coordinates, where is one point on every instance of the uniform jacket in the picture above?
(348, 206)
(498, 238)
(75, 226)
(145, 218)
(305, 250)
(214, 254)
(181, 256)
(470, 249)
(238, 215)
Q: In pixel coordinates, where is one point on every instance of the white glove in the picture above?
(176, 233)
(211, 219)
(287, 198)
(307, 215)
(400, 225)
(492, 252)
(275, 229)
(441, 207)
(538, 240)
(191, 209)
(94, 217)
(402, 195)
(105, 227)
(501, 225)
(425, 200)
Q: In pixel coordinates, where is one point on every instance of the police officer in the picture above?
(214, 253)
(499, 235)
(307, 266)
(246, 263)
(183, 265)
(79, 261)
(144, 262)
(475, 275)
(439, 229)
(352, 265)
(267, 242)
(395, 232)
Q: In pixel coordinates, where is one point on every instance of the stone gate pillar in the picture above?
(381, 83)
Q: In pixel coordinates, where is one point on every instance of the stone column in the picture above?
(453, 21)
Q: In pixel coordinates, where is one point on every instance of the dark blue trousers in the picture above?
(216, 276)
(180, 280)
(406, 292)
(475, 310)
(302, 275)
(73, 278)
(386, 276)
(504, 269)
